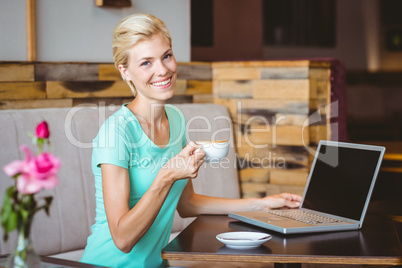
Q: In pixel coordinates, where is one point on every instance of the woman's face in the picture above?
(152, 68)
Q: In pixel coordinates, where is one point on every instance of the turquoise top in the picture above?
(122, 142)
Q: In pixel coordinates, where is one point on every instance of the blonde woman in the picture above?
(142, 165)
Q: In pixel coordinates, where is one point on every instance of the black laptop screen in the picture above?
(341, 180)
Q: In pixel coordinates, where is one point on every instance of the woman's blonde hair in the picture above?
(129, 32)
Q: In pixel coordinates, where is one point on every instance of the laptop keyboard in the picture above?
(303, 216)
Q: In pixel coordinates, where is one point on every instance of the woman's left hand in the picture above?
(283, 200)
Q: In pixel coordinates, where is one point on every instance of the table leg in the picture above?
(287, 265)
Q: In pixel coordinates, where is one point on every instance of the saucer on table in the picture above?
(243, 240)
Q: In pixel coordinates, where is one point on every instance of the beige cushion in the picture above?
(72, 130)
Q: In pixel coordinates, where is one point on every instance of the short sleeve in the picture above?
(110, 146)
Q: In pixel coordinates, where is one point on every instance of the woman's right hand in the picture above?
(186, 164)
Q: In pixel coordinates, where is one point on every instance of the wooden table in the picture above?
(375, 244)
(50, 262)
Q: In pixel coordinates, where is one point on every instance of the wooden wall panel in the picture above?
(97, 89)
(236, 73)
(233, 89)
(258, 135)
(16, 72)
(34, 104)
(66, 72)
(107, 72)
(271, 104)
(284, 73)
(281, 89)
(22, 90)
(194, 71)
(279, 108)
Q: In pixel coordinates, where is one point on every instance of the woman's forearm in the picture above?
(202, 204)
(192, 204)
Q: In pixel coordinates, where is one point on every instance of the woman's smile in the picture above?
(163, 83)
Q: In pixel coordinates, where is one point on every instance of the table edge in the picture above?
(361, 260)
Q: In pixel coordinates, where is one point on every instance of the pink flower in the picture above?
(27, 184)
(44, 168)
(34, 173)
(17, 167)
(42, 130)
(14, 168)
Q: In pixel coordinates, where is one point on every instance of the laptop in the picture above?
(336, 196)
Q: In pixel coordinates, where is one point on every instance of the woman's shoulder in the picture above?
(174, 113)
(116, 122)
(120, 117)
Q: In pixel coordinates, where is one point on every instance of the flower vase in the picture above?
(24, 256)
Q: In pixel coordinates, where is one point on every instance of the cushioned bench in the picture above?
(72, 213)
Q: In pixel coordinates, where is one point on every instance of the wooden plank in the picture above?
(250, 189)
(22, 90)
(253, 106)
(244, 149)
(231, 104)
(284, 157)
(271, 63)
(31, 30)
(180, 99)
(97, 89)
(34, 104)
(276, 114)
(113, 3)
(270, 160)
(108, 72)
(215, 88)
(180, 87)
(290, 119)
(295, 89)
(66, 72)
(198, 87)
(250, 110)
(317, 133)
(273, 189)
(265, 135)
(284, 73)
(16, 72)
(194, 71)
(258, 175)
(320, 84)
(320, 89)
(99, 102)
(318, 105)
(234, 89)
(192, 87)
(319, 73)
(236, 73)
(289, 177)
(203, 98)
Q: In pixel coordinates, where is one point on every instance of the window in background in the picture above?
(308, 23)
(202, 23)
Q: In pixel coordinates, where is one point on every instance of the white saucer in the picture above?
(243, 240)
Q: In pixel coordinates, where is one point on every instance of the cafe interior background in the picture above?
(57, 53)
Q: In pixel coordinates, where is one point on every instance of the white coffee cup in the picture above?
(215, 150)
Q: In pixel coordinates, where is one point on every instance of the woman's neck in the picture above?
(151, 112)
